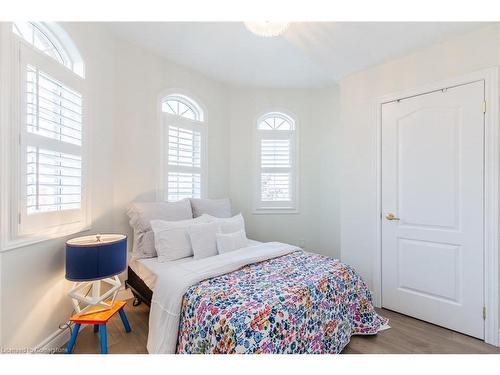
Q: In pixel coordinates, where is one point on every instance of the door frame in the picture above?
(491, 186)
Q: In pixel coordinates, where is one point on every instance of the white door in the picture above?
(432, 207)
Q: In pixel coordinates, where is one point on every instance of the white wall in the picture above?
(359, 215)
(316, 112)
(33, 289)
(140, 78)
(125, 82)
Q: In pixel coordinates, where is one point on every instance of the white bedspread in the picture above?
(173, 283)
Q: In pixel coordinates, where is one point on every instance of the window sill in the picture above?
(275, 211)
(34, 239)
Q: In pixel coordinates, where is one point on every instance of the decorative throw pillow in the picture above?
(141, 214)
(232, 224)
(203, 239)
(227, 242)
(213, 207)
(171, 238)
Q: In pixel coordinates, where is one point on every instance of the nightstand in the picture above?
(98, 319)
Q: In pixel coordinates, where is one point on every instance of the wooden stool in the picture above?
(99, 320)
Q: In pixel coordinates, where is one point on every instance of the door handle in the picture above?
(391, 216)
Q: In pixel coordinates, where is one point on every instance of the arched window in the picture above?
(53, 41)
(276, 121)
(277, 159)
(52, 175)
(183, 106)
(184, 148)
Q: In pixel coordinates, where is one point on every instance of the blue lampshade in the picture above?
(96, 257)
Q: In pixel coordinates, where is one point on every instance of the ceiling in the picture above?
(312, 54)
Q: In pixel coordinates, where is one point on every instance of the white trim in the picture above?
(55, 341)
(65, 42)
(62, 231)
(161, 188)
(1, 302)
(186, 93)
(7, 138)
(491, 196)
(257, 208)
(10, 109)
(491, 201)
(62, 43)
(275, 211)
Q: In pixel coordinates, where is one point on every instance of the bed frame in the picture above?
(139, 289)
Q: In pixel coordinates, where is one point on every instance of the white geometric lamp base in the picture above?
(83, 302)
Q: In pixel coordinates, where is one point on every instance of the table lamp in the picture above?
(91, 260)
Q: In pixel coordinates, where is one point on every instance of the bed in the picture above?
(264, 298)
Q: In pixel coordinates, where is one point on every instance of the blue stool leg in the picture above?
(124, 320)
(72, 339)
(96, 328)
(104, 339)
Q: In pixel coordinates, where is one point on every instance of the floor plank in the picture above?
(407, 335)
(412, 336)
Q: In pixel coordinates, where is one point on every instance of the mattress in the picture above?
(148, 269)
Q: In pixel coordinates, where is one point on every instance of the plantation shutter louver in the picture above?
(53, 111)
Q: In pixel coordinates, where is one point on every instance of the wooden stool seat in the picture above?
(99, 318)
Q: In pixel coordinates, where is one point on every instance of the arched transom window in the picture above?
(277, 156)
(52, 41)
(276, 121)
(183, 106)
(184, 145)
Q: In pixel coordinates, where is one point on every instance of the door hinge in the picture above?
(484, 312)
(484, 106)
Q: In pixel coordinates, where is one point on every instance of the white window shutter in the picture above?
(52, 158)
(276, 138)
(184, 148)
(53, 181)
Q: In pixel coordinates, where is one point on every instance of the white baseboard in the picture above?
(54, 342)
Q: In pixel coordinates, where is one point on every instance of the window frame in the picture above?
(277, 208)
(201, 125)
(61, 42)
(18, 53)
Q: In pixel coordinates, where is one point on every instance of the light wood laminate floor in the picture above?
(407, 335)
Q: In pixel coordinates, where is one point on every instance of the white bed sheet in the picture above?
(148, 269)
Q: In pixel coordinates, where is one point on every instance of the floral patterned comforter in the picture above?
(296, 303)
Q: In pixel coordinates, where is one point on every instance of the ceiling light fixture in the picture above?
(267, 29)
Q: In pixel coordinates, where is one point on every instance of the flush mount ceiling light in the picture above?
(267, 29)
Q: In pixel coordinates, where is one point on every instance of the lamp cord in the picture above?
(67, 325)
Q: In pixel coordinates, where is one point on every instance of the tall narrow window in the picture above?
(277, 176)
(185, 142)
(52, 173)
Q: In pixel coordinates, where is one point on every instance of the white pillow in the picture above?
(227, 242)
(172, 240)
(143, 245)
(203, 239)
(141, 214)
(232, 224)
(213, 207)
